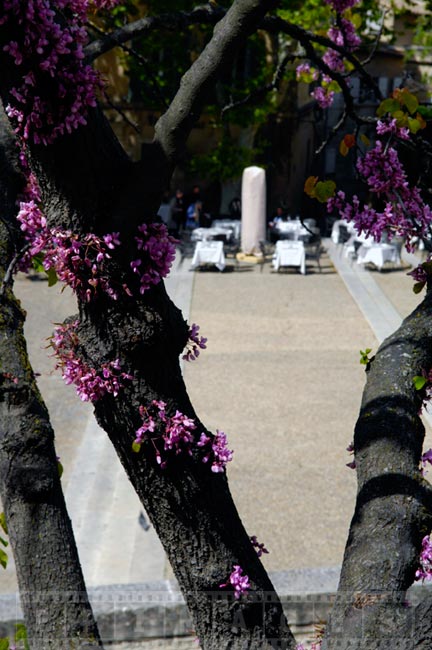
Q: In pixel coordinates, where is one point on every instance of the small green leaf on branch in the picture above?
(389, 105)
(3, 524)
(136, 447)
(4, 542)
(52, 277)
(37, 262)
(21, 635)
(418, 286)
(59, 469)
(419, 382)
(4, 644)
(3, 560)
(364, 356)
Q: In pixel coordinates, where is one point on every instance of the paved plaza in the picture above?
(281, 376)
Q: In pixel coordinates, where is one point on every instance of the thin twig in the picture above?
(377, 41)
(142, 60)
(11, 268)
(261, 92)
(122, 113)
(339, 124)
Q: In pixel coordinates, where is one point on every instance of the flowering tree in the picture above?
(87, 215)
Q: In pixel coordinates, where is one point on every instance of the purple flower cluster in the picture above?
(90, 384)
(50, 57)
(350, 449)
(304, 70)
(177, 434)
(344, 35)
(78, 261)
(177, 431)
(405, 213)
(195, 342)
(157, 249)
(390, 126)
(260, 548)
(238, 580)
(217, 450)
(424, 572)
(426, 458)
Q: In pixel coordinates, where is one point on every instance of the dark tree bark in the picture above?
(53, 595)
(394, 502)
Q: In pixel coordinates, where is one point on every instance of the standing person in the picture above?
(178, 212)
(235, 208)
(164, 211)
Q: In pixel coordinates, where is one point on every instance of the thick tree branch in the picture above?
(241, 20)
(206, 14)
(53, 594)
(394, 503)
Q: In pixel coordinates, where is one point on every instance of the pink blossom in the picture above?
(90, 384)
(194, 344)
(176, 434)
(323, 96)
(238, 580)
(260, 548)
(424, 572)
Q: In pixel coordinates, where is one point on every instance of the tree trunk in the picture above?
(56, 609)
(394, 503)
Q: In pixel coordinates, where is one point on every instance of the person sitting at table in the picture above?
(193, 215)
(280, 216)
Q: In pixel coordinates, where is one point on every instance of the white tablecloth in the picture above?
(293, 229)
(290, 253)
(206, 234)
(335, 229)
(209, 252)
(228, 224)
(378, 254)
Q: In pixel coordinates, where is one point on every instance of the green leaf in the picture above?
(21, 634)
(364, 356)
(418, 286)
(419, 382)
(52, 277)
(425, 111)
(324, 190)
(410, 101)
(413, 125)
(4, 542)
(59, 469)
(37, 262)
(356, 20)
(3, 524)
(4, 644)
(136, 447)
(3, 558)
(389, 105)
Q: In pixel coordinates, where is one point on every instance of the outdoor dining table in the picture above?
(292, 229)
(206, 234)
(208, 252)
(289, 253)
(378, 254)
(228, 224)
